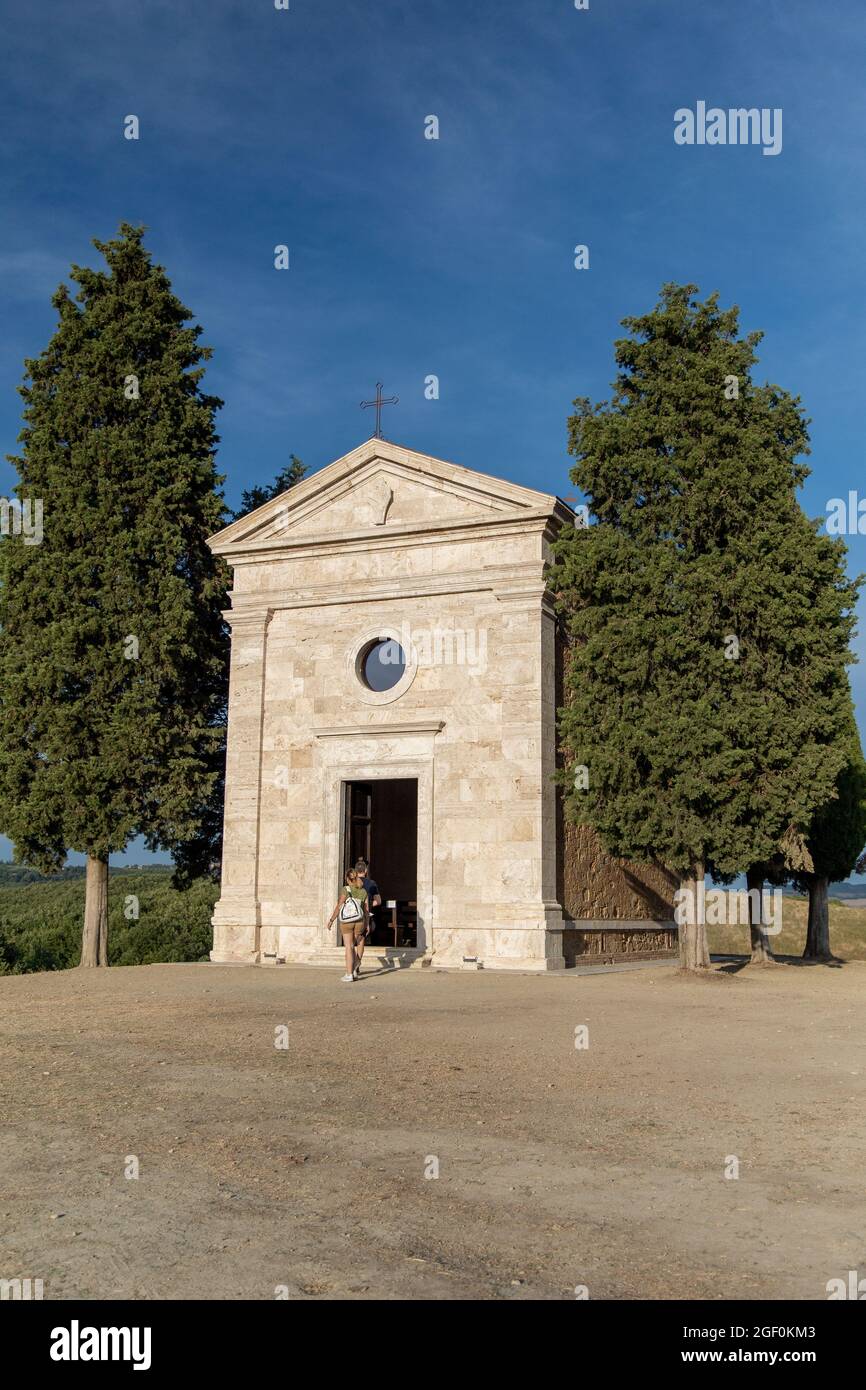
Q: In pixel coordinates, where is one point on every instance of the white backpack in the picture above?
(351, 911)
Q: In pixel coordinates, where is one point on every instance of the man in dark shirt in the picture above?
(374, 897)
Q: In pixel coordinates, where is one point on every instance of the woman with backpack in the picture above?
(353, 913)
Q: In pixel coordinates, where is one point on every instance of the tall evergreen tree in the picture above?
(802, 693)
(113, 649)
(709, 621)
(834, 842)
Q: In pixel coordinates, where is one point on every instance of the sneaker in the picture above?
(356, 973)
(347, 979)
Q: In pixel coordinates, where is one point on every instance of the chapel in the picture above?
(396, 670)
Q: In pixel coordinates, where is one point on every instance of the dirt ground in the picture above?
(303, 1168)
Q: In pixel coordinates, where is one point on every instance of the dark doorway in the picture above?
(381, 826)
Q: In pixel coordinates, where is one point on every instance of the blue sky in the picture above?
(412, 257)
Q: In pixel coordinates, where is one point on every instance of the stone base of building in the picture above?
(497, 948)
(235, 946)
(615, 942)
(532, 948)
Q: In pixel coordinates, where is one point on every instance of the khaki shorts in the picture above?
(355, 931)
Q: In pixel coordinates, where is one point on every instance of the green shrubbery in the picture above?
(40, 919)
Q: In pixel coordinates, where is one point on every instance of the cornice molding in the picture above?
(244, 620)
(407, 536)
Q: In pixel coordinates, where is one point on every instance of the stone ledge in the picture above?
(617, 924)
(417, 726)
(390, 957)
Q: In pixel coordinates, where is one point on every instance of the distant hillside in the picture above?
(41, 918)
(17, 873)
(848, 890)
(847, 930)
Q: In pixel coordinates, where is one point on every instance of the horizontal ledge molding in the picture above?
(614, 924)
(422, 726)
(511, 521)
(524, 581)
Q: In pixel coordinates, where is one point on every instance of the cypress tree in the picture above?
(799, 693)
(834, 842)
(708, 620)
(113, 649)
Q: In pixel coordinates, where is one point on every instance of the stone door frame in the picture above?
(336, 776)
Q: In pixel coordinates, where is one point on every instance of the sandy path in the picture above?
(304, 1167)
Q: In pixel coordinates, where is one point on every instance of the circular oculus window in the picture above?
(381, 664)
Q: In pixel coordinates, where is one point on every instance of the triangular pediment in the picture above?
(380, 488)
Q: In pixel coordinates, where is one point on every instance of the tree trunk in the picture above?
(694, 953)
(94, 938)
(818, 928)
(761, 950)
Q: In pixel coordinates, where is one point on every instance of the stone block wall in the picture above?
(598, 886)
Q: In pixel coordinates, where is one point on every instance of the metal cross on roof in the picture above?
(378, 403)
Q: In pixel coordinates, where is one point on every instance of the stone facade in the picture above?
(451, 563)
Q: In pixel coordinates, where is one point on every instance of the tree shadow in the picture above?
(659, 907)
(732, 965)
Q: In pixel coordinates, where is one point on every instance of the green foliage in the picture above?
(256, 497)
(40, 922)
(706, 685)
(95, 747)
(837, 833)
